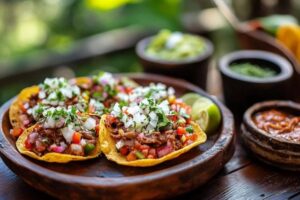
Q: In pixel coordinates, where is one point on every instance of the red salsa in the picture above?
(279, 124)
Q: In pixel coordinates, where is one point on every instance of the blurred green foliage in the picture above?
(27, 26)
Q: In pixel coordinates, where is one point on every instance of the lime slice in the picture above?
(206, 114)
(190, 98)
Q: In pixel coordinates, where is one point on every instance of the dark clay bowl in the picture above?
(240, 92)
(278, 152)
(192, 69)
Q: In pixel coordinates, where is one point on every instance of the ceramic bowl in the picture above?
(240, 91)
(192, 69)
(278, 152)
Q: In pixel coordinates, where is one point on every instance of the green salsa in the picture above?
(248, 69)
(168, 45)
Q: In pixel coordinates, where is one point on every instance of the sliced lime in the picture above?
(190, 98)
(206, 114)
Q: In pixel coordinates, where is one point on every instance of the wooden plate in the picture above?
(102, 179)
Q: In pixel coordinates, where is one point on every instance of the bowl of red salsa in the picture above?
(271, 131)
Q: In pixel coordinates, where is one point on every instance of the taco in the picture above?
(61, 135)
(52, 92)
(149, 130)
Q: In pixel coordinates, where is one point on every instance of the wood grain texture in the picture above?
(102, 179)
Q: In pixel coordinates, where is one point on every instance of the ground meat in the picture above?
(87, 135)
(72, 101)
(156, 138)
(33, 100)
(128, 134)
(51, 135)
(177, 145)
(115, 136)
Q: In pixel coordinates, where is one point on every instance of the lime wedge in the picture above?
(190, 98)
(206, 114)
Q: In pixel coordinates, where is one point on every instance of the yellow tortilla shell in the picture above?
(109, 149)
(53, 157)
(14, 112)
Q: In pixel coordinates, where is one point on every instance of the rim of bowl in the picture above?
(248, 121)
(142, 44)
(286, 70)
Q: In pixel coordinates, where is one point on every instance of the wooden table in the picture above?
(243, 177)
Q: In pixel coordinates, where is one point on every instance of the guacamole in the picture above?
(252, 70)
(167, 45)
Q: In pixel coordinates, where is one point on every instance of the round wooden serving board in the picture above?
(103, 179)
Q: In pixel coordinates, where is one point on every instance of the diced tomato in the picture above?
(28, 145)
(131, 156)
(192, 137)
(17, 132)
(188, 121)
(97, 129)
(137, 145)
(181, 130)
(128, 90)
(124, 150)
(145, 152)
(173, 118)
(76, 138)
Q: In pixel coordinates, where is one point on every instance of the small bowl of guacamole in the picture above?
(177, 54)
(175, 46)
(251, 76)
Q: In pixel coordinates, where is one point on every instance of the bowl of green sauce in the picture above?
(251, 76)
(176, 54)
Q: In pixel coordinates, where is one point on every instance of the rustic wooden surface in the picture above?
(243, 177)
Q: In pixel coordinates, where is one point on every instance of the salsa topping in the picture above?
(63, 130)
(95, 97)
(151, 125)
(56, 91)
(279, 124)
